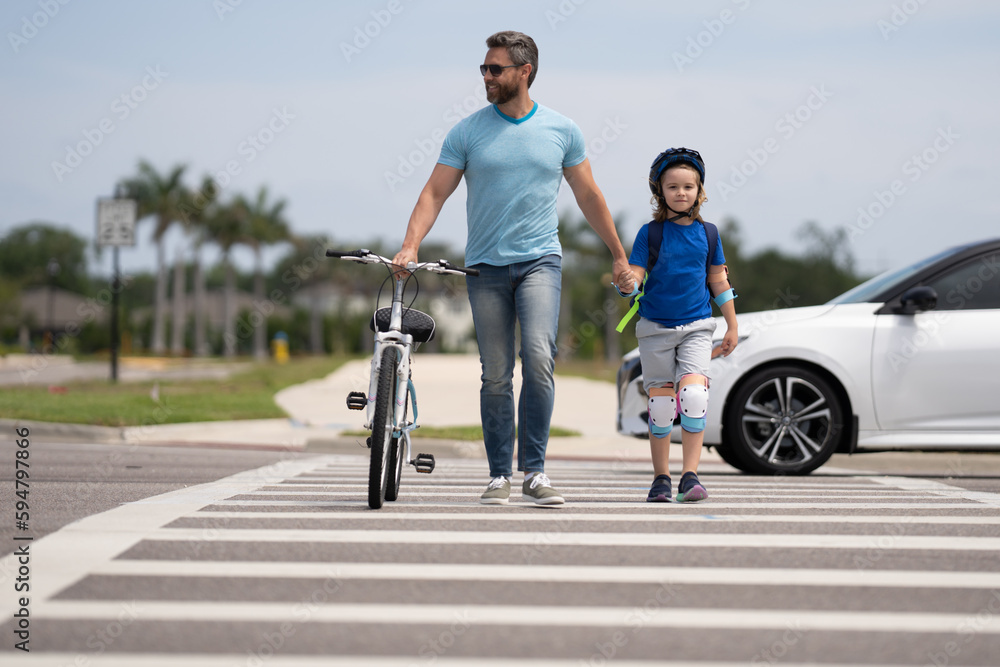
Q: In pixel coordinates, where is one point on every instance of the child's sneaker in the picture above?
(539, 489)
(690, 489)
(660, 491)
(497, 492)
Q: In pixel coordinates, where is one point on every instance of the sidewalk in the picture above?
(447, 389)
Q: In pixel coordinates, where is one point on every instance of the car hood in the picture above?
(766, 319)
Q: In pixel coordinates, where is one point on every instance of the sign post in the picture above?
(115, 228)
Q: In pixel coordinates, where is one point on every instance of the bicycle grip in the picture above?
(471, 272)
(349, 253)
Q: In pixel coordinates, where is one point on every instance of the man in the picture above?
(514, 155)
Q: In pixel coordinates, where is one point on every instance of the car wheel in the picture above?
(783, 420)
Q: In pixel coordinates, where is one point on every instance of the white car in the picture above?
(909, 360)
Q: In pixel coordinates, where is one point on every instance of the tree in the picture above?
(265, 225)
(26, 251)
(160, 197)
(197, 210)
(226, 227)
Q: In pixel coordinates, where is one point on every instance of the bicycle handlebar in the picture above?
(366, 256)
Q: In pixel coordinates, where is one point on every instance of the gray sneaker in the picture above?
(497, 492)
(539, 489)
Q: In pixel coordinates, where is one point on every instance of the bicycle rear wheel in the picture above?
(382, 427)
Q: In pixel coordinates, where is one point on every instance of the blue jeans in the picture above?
(501, 296)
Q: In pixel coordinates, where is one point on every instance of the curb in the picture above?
(66, 432)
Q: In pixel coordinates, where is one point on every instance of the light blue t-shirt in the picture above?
(676, 291)
(513, 169)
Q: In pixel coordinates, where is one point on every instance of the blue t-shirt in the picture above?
(676, 291)
(513, 170)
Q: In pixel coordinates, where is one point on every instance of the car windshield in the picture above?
(869, 290)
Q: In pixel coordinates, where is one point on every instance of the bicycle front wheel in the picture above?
(382, 427)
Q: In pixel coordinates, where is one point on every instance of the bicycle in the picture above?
(398, 329)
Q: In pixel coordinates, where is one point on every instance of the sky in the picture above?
(877, 117)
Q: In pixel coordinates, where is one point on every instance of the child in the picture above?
(675, 326)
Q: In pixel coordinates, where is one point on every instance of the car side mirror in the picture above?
(917, 299)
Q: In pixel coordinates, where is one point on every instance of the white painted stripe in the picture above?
(241, 660)
(67, 555)
(634, 501)
(555, 573)
(557, 538)
(533, 615)
(568, 492)
(587, 483)
(567, 517)
(939, 489)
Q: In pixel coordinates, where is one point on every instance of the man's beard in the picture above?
(503, 94)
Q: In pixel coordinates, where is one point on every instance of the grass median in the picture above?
(246, 394)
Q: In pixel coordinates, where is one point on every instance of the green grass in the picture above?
(245, 395)
(471, 432)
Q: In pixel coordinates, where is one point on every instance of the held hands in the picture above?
(729, 342)
(626, 284)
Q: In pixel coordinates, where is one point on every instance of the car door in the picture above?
(938, 370)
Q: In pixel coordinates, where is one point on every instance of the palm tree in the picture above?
(197, 210)
(265, 226)
(159, 196)
(226, 227)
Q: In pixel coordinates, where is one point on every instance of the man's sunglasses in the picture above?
(495, 70)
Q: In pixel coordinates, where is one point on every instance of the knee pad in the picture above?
(693, 407)
(662, 410)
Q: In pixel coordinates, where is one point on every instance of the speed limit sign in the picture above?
(116, 222)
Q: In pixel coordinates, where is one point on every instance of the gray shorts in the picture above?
(667, 353)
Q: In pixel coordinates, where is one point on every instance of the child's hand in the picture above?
(626, 282)
(728, 343)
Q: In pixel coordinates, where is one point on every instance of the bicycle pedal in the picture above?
(357, 400)
(424, 463)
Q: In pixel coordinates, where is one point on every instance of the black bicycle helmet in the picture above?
(670, 157)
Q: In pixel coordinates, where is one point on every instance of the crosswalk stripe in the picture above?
(939, 489)
(566, 517)
(557, 538)
(241, 660)
(576, 494)
(637, 501)
(867, 577)
(534, 615)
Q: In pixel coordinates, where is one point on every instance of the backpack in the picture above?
(655, 240)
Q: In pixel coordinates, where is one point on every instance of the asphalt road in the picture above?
(186, 556)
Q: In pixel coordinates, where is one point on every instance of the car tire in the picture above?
(783, 420)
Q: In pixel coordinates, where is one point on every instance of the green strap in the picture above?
(630, 314)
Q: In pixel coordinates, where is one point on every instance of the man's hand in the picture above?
(624, 278)
(404, 257)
